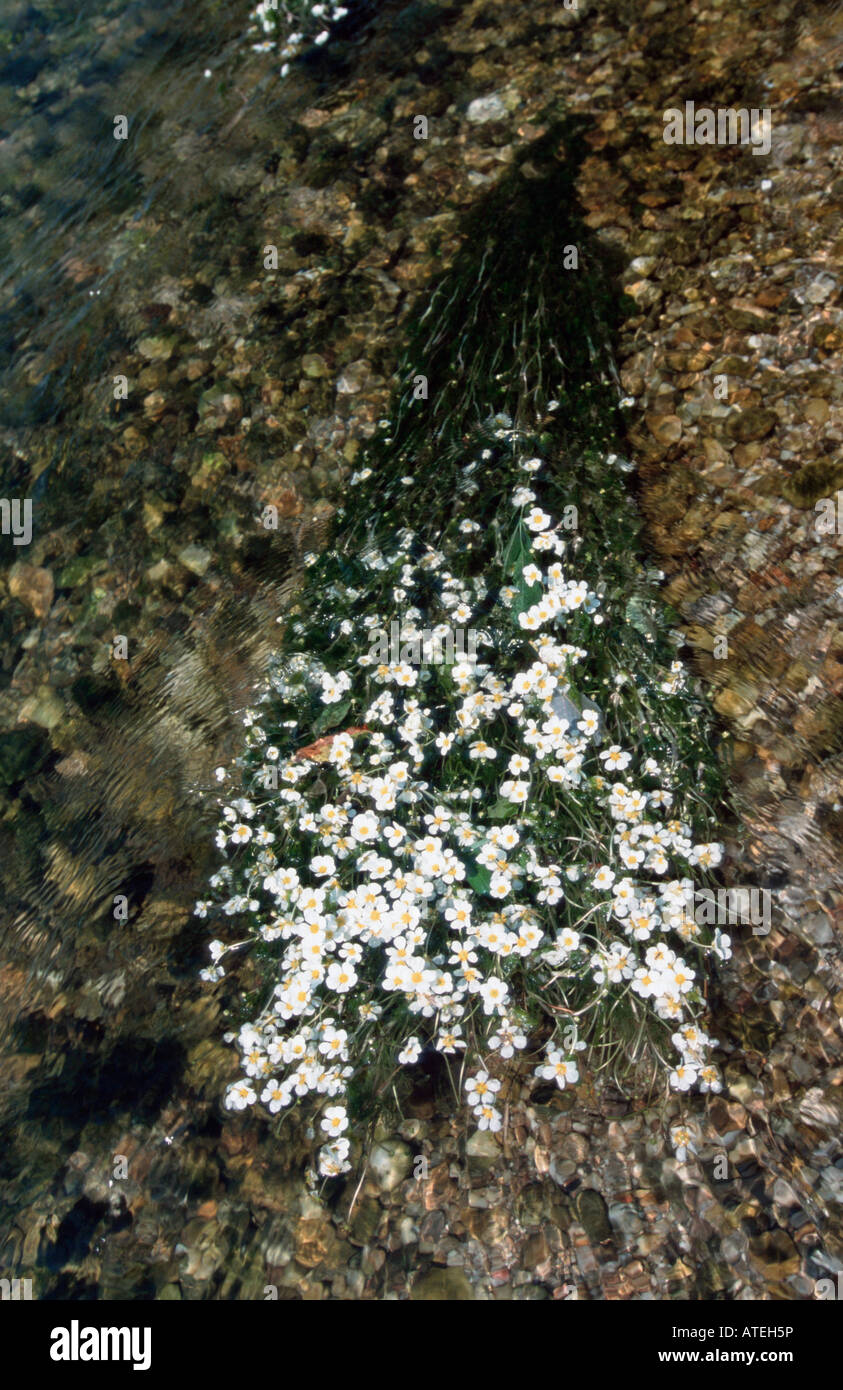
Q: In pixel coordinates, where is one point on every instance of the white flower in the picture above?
(722, 945)
(568, 940)
(341, 978)
(507, 1039)
(410, 1053)
(500, 885)
(515, 791)
(682, 1078)
(275, 1095)
(333, 1041)
(335, 1120)
(682, 1138)
(522, 496)
(322, 865)
(481, 1089)
(450, 1040)
(494, 994)
(458, 914)
(239, 1096)
(559, 1068)
(615, 758)
(364, 826)
(708, 856)
(333, 1159)
(589, 723)
(710, 1079)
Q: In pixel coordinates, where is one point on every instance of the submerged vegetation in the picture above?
(495, 855)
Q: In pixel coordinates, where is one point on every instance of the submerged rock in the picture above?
(389, 1163)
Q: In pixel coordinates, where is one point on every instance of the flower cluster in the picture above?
(476, 855)
(290, 25)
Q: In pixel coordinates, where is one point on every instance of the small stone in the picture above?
(364, 1221)
(490, 108)
(817, 410)
(482, 1149)
(220, 403)
(820, 289)
(814, 1110)
(563, 1171)
(818, 928)
(33, 586)
(644, 292)
(389, 1163)
(195, 558)
(44, 708)
(353, 378)
(154, 511)
(592, 1215)
(159, 572)
(667, 429)
(742, 313)
(80, 568)
(372, 1259)
(76, 764)
(642, 265)
(315, 1241)
(574, 1146)
(407, 1230)
(732, 703)
(831, 1184)
(411, 1129)
(531, 1205)
(313, 365)
(754, 423)
(213, 465)
(746, 454)
(154, 405)
(158, 349)
(625, 1220)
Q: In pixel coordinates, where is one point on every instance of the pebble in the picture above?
(488, 108)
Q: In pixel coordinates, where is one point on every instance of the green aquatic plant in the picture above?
(478, 789)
